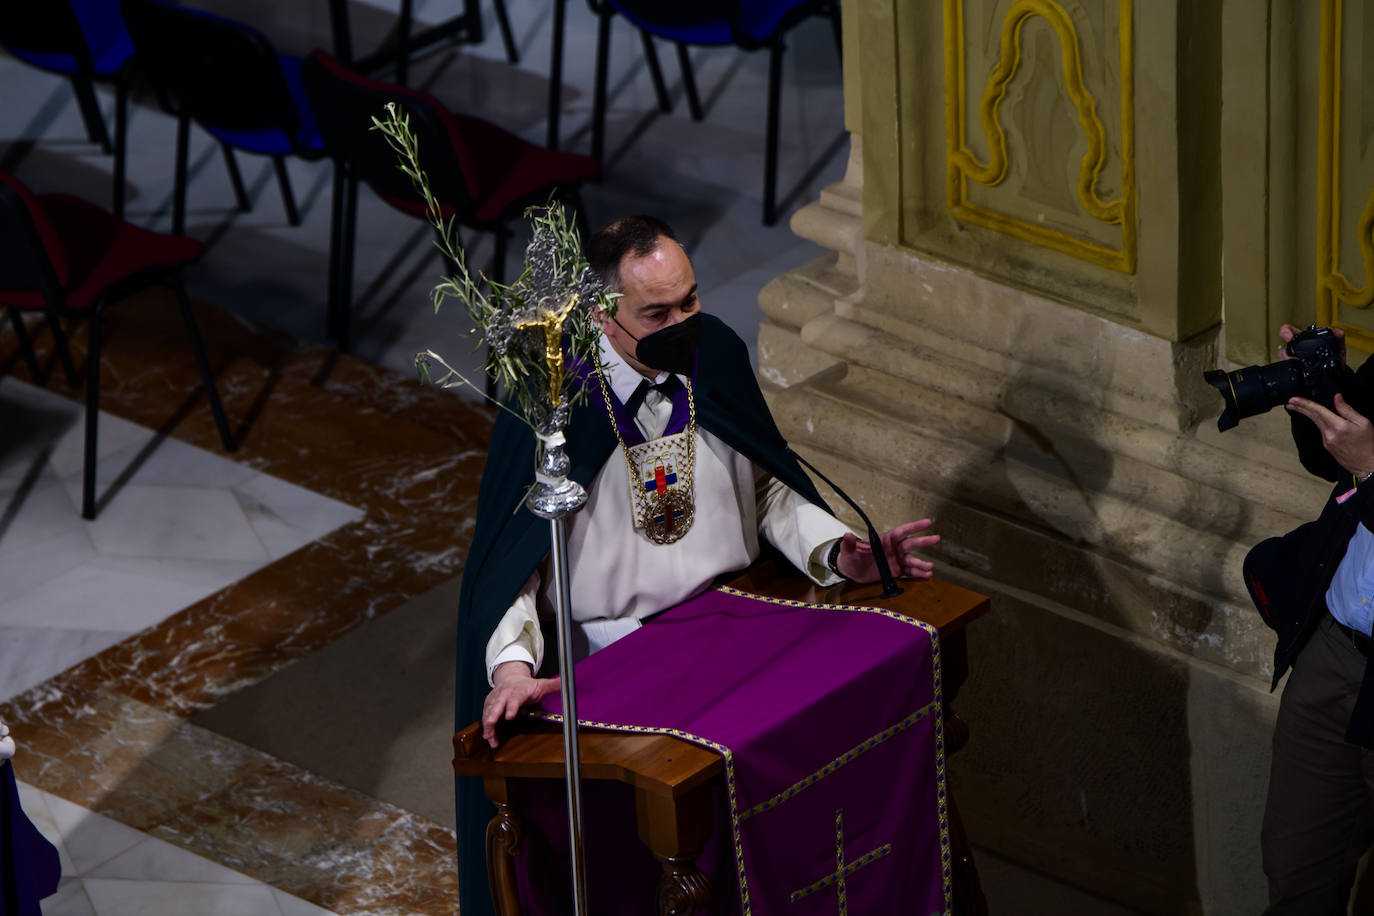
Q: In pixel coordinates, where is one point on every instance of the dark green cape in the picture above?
(510, 542)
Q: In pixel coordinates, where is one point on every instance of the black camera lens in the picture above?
(1255, 390)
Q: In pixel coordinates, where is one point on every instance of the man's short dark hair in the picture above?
(630, 235)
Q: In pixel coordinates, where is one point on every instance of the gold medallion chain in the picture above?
(677, 502)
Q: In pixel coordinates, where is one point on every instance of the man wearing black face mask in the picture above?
(680, 458)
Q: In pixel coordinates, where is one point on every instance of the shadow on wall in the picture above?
(1094, 755)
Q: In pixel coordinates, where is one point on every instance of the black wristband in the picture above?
(833, 557)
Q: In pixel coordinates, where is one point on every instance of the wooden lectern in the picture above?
(672, 777)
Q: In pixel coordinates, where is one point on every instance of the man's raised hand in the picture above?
(856, 555)
(515, 686)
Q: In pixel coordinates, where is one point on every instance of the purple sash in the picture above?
(619, 416)
(830, 722)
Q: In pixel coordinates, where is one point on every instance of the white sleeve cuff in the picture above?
(512, 653)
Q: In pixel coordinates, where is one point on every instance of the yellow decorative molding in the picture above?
(1333, 288)
(963, 165)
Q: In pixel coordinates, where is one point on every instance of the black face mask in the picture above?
(670, 349)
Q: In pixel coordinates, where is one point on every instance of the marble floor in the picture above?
(108, 868)
(176, 523)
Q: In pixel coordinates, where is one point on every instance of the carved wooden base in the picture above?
(505, 834)
(684, 889)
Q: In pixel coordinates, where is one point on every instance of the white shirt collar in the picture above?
(622, 378)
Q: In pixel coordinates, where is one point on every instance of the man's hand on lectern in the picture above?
(516, 686)
(856, 555)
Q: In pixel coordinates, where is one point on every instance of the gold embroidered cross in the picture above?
(843, 869)
(552, 323)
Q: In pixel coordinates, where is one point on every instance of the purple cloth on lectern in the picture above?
(830, 722)
(29, 867)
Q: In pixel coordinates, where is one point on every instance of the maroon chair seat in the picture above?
(100, 252)
(504, 171)
(482, 175)
(68, 258)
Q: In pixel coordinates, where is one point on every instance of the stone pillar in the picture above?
(1056, 215)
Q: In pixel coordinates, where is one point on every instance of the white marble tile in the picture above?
(164, 461)
(183, 522)
(102, 596)
(30, 420)
(166, 898)
(27, 562)
(113, 435)
(31, 655)
(91, 839)
(117, 870)
(34, 514)
(287, 517)
(157, 860)
(70, 900)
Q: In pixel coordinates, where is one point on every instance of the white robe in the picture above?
(619, 577)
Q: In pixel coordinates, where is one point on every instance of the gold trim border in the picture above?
(1333, 288)
(731, 793)
(962, 166)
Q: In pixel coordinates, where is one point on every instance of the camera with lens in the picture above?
(1314, 373)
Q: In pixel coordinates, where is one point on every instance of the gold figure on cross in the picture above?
(552, 323)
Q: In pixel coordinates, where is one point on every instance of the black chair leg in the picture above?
(179, 189)
(560, 18)
(236, 178)
(331, 314)
(689, 82)
(64, 351)
(665, 104)
(350, 207)
(507, 38)
(603, 53)
(90, 112)
(498, 258)
(120, 140)
(92, 417)
(206, 377)
(498, 275)
(770, 152)
(21, 333)
(407, 18)
(288, 200)
(573, 197)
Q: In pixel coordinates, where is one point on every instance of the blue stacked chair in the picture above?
(747, 24)
(85, 41)
(227, 77)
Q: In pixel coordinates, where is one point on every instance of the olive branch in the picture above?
(529, 327)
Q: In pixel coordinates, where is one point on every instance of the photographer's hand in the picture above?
(1346, 434)
(1288, 331)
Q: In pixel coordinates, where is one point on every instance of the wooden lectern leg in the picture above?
(504, 837)
(676, 830)
(684, 889)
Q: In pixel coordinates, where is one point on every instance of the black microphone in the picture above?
(890, 587)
